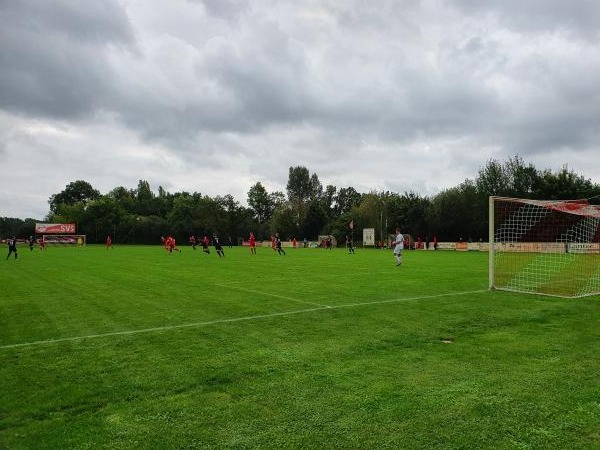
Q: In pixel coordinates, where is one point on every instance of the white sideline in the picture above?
(235, 319)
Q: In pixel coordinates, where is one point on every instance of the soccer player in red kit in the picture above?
(171, 244)
(274, 243)
(164, 243)
(205, 242)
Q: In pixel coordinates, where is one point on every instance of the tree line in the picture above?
(307, 208)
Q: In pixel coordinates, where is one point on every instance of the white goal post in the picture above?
(548, 247)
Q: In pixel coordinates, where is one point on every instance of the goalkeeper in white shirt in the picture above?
(398, 246)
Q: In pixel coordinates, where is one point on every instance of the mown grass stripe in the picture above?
(229, 320)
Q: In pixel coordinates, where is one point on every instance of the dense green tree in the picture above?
(340, 227)
(144, 200)
(69, 213)
(315, 188)
(75, 192)
(124, 197)
(277, 198)
(564, 185)
(148, 229)
(302, 188)
(260, 202)
(138, 215)
(163, 202)
(514, 178)
(345, 200)
(328, 199)
(409, 211)
(284, 222)
(299, 187)
(316, 219)
(184, 217)
(137, 229)
(102, 217)
(368, 214)
(453, 215)
(523, 178)
(233, 220)
(10, 227)
(492, 179)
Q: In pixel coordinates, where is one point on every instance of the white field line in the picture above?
(231, 320)
(253, 291)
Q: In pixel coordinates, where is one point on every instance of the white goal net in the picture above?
(549, 247)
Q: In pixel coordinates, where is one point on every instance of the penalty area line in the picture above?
(224, 321)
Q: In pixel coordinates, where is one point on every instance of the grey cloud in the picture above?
(267, 76)
(53, 59)
(98, 22)
(580, 17)
(260, 86)
(226, 9)
(240, 87)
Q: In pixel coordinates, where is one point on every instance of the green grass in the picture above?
(559, 274)
(134, 348)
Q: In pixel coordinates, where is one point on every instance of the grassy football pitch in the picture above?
(133, 348)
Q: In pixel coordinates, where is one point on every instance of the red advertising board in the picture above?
(55, 228)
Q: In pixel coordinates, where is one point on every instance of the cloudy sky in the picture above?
(213, 96)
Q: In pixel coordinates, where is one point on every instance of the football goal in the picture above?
(549, 247)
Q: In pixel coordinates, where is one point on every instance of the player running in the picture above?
(205, 242)
(12, 247)
(171, 244)
(164, 243)
(218, 247)
(278, 245)
(273, 243)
